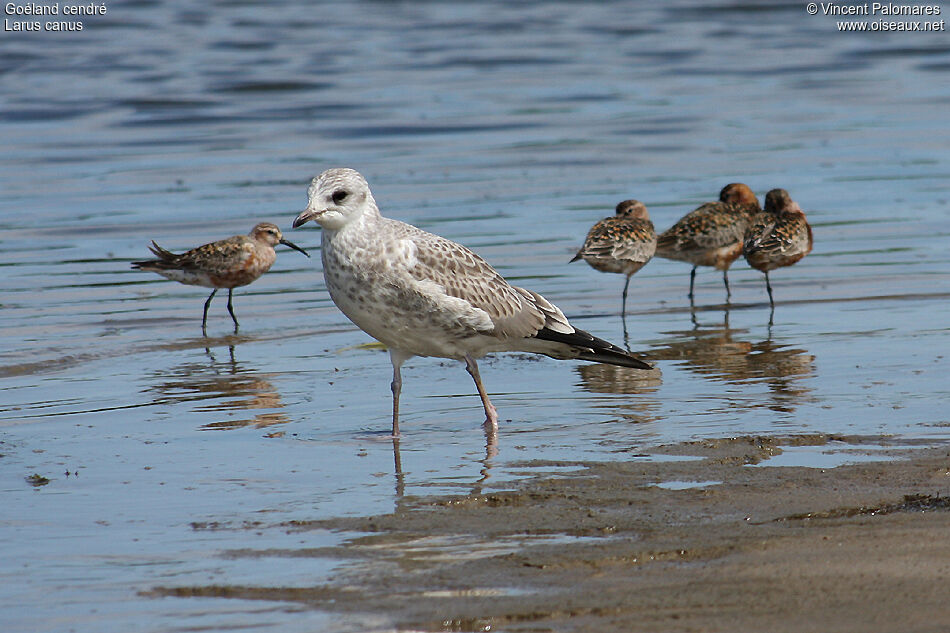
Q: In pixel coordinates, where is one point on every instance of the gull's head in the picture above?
(335, 198)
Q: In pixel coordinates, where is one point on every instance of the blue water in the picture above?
(508, 127)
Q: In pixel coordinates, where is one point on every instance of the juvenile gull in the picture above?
(623, 243)
(423, 295)
(711, 234)
(229, 263)
(779, 236)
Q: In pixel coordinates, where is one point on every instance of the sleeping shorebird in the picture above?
(777, 237)
(623, 243)
(423, 295)
(711, 235)
(230, 263)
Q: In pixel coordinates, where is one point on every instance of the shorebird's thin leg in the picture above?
(231, 309)
(692, 280)
(491, 416)
(397, 358)
(204, 318)
(623, 306)
(725, 280)
(768, 286)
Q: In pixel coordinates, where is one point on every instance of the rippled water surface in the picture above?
(510, 129)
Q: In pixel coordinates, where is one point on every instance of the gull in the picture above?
(423, 295)
(779, 236)
(623, 243)
(228, 263)
(711, 234)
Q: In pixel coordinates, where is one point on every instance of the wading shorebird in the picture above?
(623, 243)
(711, 234)
(777, 237)
(423, 295)
(229, 263)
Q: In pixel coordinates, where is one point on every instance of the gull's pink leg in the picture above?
(491, 416)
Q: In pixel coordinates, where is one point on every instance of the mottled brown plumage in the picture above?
(777, 237)
(711, 235)
(229, 263)
(622, 243)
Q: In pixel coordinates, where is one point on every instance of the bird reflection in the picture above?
(609, 379)
(491, 451)
(600, 378)
(214, 361)
(719, 352)
(710, 350)
(397, 465)
(782, 367)
(223, 386)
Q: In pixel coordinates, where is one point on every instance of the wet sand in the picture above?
(858, 547)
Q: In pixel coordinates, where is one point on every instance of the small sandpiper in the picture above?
(229, 263)
(423, 295)
(711, 235)
(623, 243)
(777, 237)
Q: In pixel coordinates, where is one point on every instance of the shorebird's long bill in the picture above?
(305, 217)
(295, 247)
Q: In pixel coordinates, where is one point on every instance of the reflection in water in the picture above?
(719, 352)
(782, 368)
(602, 378)
(491, 451)
(611, 379)
(397, 465)
(226, 386)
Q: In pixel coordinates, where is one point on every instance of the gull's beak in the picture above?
(294, 246)
(305, 217)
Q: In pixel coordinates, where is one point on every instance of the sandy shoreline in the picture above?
(860, 547)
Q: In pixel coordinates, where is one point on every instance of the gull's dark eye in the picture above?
(339, 196)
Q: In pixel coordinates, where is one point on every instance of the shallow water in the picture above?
(509, 129)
